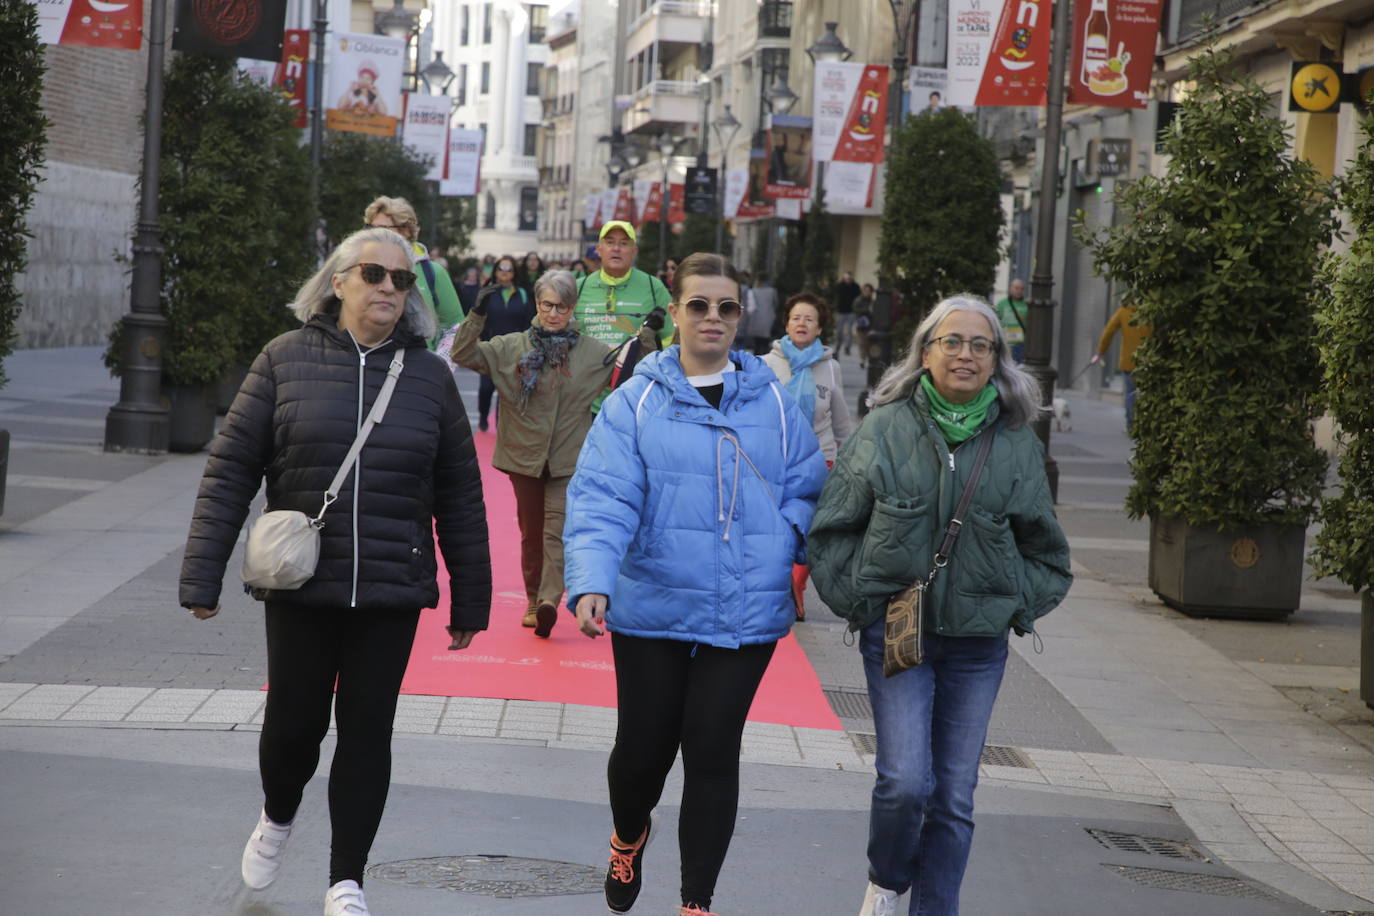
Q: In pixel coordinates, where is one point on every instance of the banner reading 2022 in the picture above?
(1113, 52)
(999, 52)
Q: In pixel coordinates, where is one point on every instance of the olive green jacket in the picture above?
(886, 504)
(548, 431)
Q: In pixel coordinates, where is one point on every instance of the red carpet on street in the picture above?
(508, 661)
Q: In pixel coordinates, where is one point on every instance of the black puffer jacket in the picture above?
(293, 420)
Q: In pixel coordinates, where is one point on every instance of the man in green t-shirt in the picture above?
(614, 301)
(1011, 314)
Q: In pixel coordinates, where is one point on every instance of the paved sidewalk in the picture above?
(1128, 714)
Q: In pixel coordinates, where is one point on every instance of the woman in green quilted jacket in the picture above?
(880, 520)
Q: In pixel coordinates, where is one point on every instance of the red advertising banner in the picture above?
(677, 200)
(861, 139)
(290, 77)
(653, 207)
(91, 23)
(1018, 64)
(1114, 53)
(624, 205)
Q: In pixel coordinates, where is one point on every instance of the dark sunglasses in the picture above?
(727, 309)
(375, 273)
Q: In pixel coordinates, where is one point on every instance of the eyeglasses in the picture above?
(505, 268)
(727, 309)
(549, 306)
(375, 273)
(953, 345)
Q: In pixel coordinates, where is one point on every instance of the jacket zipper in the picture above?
(358, 472)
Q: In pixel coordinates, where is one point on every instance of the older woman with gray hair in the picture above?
(883, 516)
(547, 375)
(343, 638)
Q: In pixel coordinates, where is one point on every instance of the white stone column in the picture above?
(498, 108)
(514, 100)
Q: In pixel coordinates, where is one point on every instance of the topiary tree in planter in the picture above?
(1345, 333)
(21, 73)
(1220, 254)
(942, 214)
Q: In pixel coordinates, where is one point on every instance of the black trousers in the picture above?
(308, 651)
(485, 389)
(675, 694)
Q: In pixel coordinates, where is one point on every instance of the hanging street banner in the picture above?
(288, 75)
(91, 23)
(364, 86)
(736, 183)
(755, 204)
(463, 169)
(624, 204)
(1017, 69)
(645, 194)
(1112, 62)
(230, 28)
(425, 129)
(926, 89)
(789, 157)
(851, 112)
(591, 209)
(701, 190)
(677, 203)
(969, 42)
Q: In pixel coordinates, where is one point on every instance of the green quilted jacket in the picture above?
(883, 513)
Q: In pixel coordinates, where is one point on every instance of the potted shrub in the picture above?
(21, 72)
(1345, 333)
(234, 205)
(1220, 254)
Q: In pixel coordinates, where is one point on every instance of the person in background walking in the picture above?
(1011, 315)
(345, 635)
(547, 376)
(863, 322)
(509, 310)
(684, 518)
(528, 272)
(436, 286)
(1123, 321)
(756, 334)
(669, 272)
(880, 521)
(846, 291)
(811, 374)
(488, 266)
(468, 289)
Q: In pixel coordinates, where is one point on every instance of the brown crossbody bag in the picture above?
(902, 642)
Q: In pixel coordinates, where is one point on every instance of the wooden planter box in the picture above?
(1247, 574)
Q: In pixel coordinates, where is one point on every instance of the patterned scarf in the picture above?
(550, 352)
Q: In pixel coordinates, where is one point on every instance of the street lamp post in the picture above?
(726, 126)
(317, 121)
(399, 23)
(1040, 310)
(437, 77)
(139, 422)
(828, 49)
(667, 144)
(780, 99)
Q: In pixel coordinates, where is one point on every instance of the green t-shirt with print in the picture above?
(612, 311)
(1007, 317)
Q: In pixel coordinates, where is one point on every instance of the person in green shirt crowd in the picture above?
(615, 300)
(1011, 314)
(436, 286)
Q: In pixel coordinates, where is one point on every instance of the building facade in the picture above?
(560, 231)
(498, 51)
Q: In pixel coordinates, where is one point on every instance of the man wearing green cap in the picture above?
(614, 301)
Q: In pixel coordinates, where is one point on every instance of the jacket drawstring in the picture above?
(728, 517)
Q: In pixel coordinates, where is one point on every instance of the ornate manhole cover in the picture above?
(492, 876)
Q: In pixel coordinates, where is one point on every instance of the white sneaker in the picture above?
(879, 901)
(345, 899)
(262, 855)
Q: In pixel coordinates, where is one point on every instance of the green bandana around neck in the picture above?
(958, 421)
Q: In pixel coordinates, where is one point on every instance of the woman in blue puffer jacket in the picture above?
(685, 515)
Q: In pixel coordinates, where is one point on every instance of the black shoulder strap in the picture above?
(956, 522)
(1017, 312)
(428, 270)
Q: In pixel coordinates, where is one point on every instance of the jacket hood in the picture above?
(752, 375)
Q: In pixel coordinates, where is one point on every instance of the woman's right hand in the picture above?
(591, 614)
(204, 613)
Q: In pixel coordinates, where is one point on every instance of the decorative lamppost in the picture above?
(726, 126)
(139, 422)
(667, 145)
(779, 99)
(317, 120)
(399, 23)
(828, 49)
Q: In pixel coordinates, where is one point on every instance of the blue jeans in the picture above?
(931, 723)
(1128, 395)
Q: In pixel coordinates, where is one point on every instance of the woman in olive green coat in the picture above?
(547, 377)
(879, 522)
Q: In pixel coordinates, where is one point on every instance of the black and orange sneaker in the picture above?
(623, 877)
(694, 909)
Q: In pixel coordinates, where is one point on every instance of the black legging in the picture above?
(307, 649)
(673, 693)
(485, 389)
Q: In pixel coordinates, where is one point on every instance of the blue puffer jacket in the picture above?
(689, 517)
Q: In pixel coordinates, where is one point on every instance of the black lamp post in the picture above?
(667, 145)
(437, 77)
(1040, 308)
(317, 121)
(726, 126)
(780, 99)
(139, 422)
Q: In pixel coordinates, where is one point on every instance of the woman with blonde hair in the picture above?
(437, 289)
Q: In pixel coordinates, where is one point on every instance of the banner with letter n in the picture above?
(91, 23)
(851, 118)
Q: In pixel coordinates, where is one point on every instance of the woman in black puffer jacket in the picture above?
(293, 422)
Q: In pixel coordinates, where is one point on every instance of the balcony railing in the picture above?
(775, 19)
(669, 87)
(689, 8)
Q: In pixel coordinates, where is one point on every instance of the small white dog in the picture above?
(1063, 418)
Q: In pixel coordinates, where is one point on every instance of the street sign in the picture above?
(701, 190)
(1109, 157)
